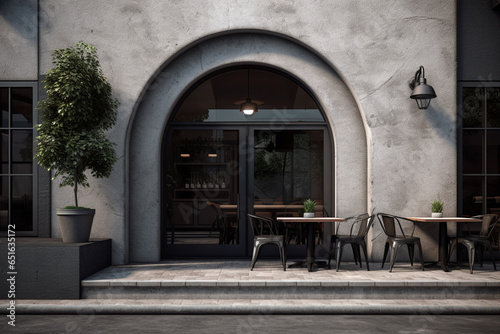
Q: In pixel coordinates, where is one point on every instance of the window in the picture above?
(17, 102)
(479, 151)
(218, 98)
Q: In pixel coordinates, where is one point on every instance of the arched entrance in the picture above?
(147, 130)
(221, 162)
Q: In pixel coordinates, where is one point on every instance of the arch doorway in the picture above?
(219, 163)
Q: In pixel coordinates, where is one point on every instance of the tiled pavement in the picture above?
(229, 287)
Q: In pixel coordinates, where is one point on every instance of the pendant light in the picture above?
(248, 107)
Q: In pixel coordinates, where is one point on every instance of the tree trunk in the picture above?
(76, 191)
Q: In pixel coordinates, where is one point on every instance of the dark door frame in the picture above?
(245, 154)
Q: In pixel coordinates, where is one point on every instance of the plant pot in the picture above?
(75, 224)
(437, 215)
(308, 214)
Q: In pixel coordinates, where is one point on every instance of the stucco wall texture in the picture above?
(395, 158)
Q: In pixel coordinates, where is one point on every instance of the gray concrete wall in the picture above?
(371, 49)
(19, 40)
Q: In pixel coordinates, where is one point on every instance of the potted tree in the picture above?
(437, 209)
(309, 206)
(78, 109)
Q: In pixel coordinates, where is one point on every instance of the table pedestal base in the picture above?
(311, 266)
(439, 264)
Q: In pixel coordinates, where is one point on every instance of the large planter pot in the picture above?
(437, 215)
(75, 224)
(308, 214)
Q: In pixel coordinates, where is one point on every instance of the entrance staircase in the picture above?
(229, 287)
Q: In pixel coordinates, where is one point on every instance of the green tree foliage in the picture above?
(78, 109)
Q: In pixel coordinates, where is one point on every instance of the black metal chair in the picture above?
(394, 240)
(475, 242)
(265, 231)
(227, 227)
(357, 237)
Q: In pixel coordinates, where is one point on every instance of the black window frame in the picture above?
(34, 170)
(460, 130)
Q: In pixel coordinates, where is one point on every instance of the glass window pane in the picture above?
(5, 151)
(493, 152)
(203, 176)
(22, 151)
(493, 107)
(22, 107)
(472, 198)
(473, 151)
(493, 184)
(218, 99)
(288, 166)
(4, 106)
(22, 202)
(472, 107)
(4, 203)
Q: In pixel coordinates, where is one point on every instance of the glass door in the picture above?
(215, 177)
(288, 166)
(201, 192)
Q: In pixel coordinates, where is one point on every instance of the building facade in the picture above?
(348, 65)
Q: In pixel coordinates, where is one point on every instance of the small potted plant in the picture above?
(309, 206)
(78, 109)
(437, 209)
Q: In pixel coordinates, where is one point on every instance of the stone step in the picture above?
(280, 290)
(259, 306)
(224, 286)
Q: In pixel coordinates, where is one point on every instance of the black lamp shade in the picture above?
(422, 92)
(248, 107)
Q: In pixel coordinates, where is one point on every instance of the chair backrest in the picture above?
(365, 222)
(388, 224)
(487, 225)
(216, 207)
(262, 225)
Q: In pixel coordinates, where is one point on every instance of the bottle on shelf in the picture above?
(193, 181)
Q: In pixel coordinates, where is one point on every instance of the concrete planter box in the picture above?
(47, 268)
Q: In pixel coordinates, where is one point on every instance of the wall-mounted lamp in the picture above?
(422, 93)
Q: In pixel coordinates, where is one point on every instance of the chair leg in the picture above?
(282, 255)
(339, 253)
(452, 247)
(411, 252)
(420, 254)
(471, 258)
(480, 251)
(492, 258)
(488, 245)
(394, 254)
(365, 253)
(386, 249)
(363, 246)
(256, 250)
(332, 250)
(357, 254)
(353, 246)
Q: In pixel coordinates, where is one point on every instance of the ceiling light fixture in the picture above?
(248, 107)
